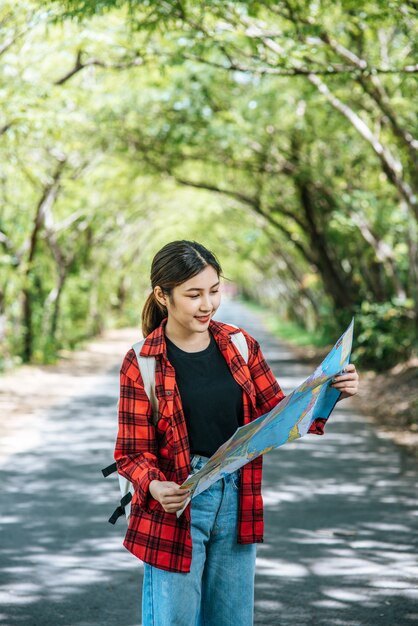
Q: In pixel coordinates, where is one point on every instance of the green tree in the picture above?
(280, 134)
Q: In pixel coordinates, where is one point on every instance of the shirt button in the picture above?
(168, 393)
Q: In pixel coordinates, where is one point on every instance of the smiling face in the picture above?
(192, 304)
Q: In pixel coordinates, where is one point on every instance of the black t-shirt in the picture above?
(211, 398)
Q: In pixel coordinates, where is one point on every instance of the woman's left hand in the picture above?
(347, 382)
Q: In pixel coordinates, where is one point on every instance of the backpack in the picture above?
(147, 368)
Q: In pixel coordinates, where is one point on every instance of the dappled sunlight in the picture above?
(341, 515)
(272, 607)
(340, 525)
(276, 567)
(345, 595)
(23, 435)
(330, 604)
(61, 504)
(344, 563)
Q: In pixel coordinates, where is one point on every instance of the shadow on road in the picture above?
(341, 516)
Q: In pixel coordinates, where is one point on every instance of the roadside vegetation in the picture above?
(281, 134)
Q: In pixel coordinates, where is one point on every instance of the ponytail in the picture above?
(153, 314)
(175, 263)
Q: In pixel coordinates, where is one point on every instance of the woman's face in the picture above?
(193, 303)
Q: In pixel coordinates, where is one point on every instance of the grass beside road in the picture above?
(310, 345)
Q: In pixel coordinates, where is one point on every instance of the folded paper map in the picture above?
(289, 420)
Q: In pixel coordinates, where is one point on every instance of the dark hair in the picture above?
(175, 263)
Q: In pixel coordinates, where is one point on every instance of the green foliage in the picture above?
(385, 334)
(289, 330)
(141, 122)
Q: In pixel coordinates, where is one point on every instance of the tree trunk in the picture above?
(56, 302)
(385, 257)
(296, 276)
(334, 285)
(47, 198)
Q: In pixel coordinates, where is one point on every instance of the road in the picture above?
(341, 516)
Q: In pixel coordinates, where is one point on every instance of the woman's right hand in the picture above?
(168, 494)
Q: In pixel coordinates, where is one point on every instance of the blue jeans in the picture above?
(219, 589)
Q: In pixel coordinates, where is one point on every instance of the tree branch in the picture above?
(255, 205)
(374, 88)
(330, 70)
(237, 195)
(384, 253)
(80, 65)
(10, 41)
(5, 128)
(391, 167)
(46, 200)
(8, 245)
(366, 76)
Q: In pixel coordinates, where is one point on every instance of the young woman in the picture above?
(199, 568)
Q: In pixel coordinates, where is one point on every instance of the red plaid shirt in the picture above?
(145, 452)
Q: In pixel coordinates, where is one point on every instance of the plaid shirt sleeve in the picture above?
(136, 445)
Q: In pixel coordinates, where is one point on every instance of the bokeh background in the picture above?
(282, 135)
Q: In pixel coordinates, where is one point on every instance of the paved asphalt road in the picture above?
(341, 517)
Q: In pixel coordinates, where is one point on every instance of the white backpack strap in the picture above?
(146, 366)
(126, 487)
(241, 344)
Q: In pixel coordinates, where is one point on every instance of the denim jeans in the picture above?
(219, 589)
